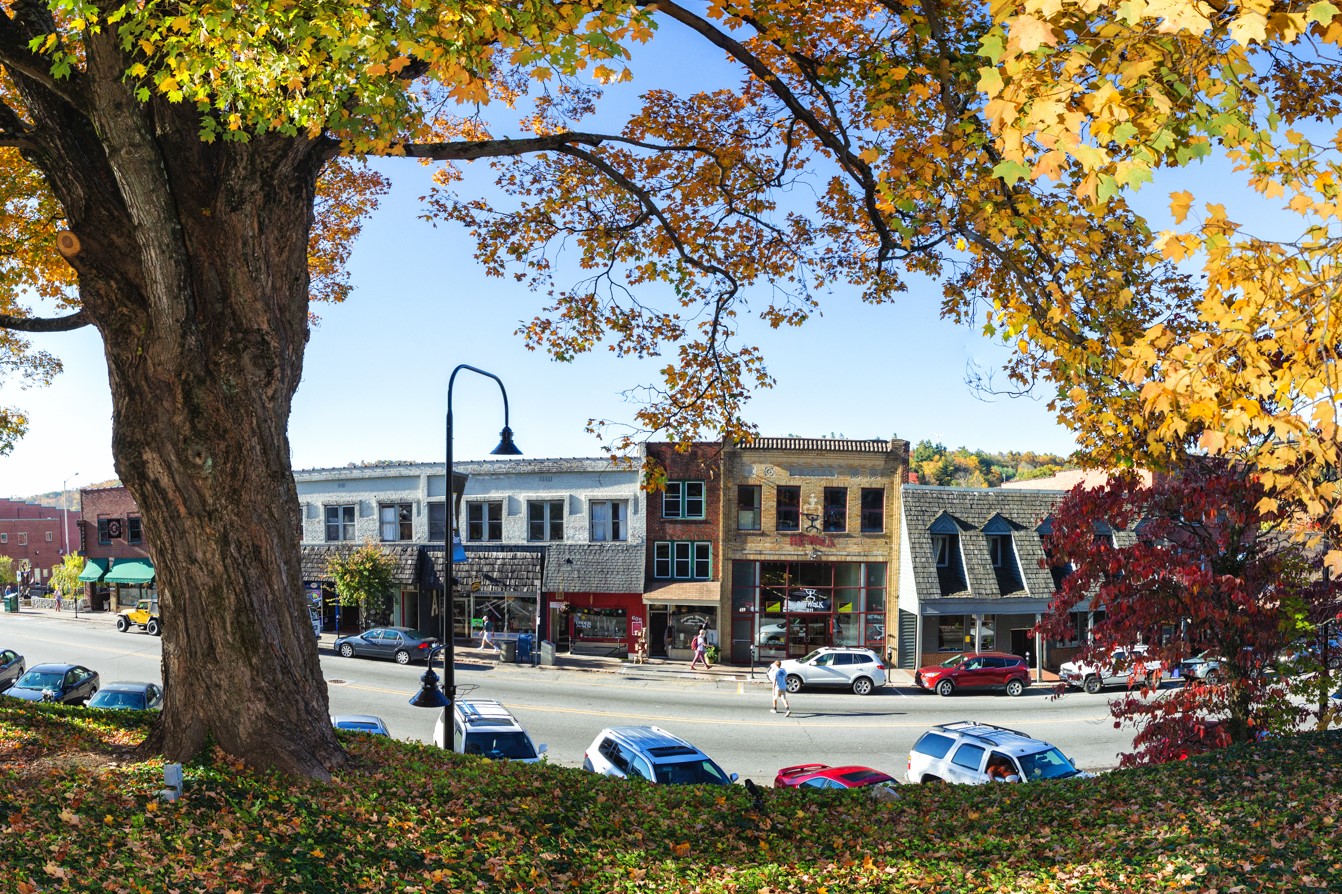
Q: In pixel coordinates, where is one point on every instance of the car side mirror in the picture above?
(734, 776)
(542, 748)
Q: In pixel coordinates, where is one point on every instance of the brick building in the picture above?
(118, 570)
(811, 544)
(31, 535)
(683, 568)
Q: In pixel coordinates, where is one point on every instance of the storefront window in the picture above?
(875, 632)
(599, 623)
(951, 634)
(802, 605)
(685, 623)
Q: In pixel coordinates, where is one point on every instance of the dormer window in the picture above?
(999, 546)
(941, 549)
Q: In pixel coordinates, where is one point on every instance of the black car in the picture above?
(401, 643)
(11, 668)
(129, 697)
(70, 684)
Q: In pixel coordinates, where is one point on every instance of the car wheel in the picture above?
(793, 683)
(863, 686)
(933, 779)
(346, 650)
(402, 656)
(153, 627)
(1014, 688)
(122, 623)
(945, 687)
(1093, 685)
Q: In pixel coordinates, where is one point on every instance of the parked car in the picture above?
(975, 753)
(860, 670)
(144, 615)
(976, 670)
(400, 643)
(652, 754)
(485, 727)
(825, 776)
(11, 668)
(361, 723)
(1202, 666)
(1123, 667)
(129, 697)
(70, 684)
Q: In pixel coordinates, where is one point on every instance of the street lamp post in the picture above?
(65, 514)
(65, 529)
(506, 447)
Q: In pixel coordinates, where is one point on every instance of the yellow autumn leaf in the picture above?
(1029, 33)
(1180, 202)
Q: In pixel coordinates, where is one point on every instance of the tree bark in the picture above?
(193, 266)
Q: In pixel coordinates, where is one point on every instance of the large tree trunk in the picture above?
(193, 266)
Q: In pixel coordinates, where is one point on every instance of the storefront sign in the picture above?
(635, 625)
(812, 540)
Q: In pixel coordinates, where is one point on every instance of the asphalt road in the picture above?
(565, 709)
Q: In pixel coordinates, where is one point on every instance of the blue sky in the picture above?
(374, 386)
(375, 379)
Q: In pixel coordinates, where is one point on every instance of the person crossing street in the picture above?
(778, 678)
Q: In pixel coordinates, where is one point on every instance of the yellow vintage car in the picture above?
(144, 616)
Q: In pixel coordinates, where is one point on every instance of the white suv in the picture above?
(860, 670)
(1124, 667)
(485, 727)
(980, 752)
(651, 753)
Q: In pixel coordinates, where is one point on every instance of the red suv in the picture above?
(976, 670)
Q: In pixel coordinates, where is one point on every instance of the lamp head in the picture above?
(506, 446)
(429, 695)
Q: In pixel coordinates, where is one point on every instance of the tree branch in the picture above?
(467, 150)
(827, 135)
(15, 55)
(76, 320)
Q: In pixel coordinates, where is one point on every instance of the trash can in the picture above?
(12, 602)
(547, 653)
(509, 651)
(524, 648)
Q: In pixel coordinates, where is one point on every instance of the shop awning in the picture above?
(131, 571)
(690, 592)
(94, 569)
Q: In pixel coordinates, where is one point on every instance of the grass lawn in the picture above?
(78, 814)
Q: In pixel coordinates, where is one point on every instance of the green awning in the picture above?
(94, 569)
(131, 571)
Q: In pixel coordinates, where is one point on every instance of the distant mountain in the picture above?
(55, 497)
(962, 467)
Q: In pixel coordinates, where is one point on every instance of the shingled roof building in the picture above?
(973, 574)
(516, 519)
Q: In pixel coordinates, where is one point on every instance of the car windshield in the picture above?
(359, 726)
(110, 698)
(700, 772)
(39, 680)
(499, 745)
(1050, 764)
(806, 659)
(953, 661)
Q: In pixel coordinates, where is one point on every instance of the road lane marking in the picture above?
(829, 720)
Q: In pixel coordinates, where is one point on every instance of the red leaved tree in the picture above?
(1197, 562)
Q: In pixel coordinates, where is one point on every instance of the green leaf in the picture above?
(1011, 171)
(1322, 12)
